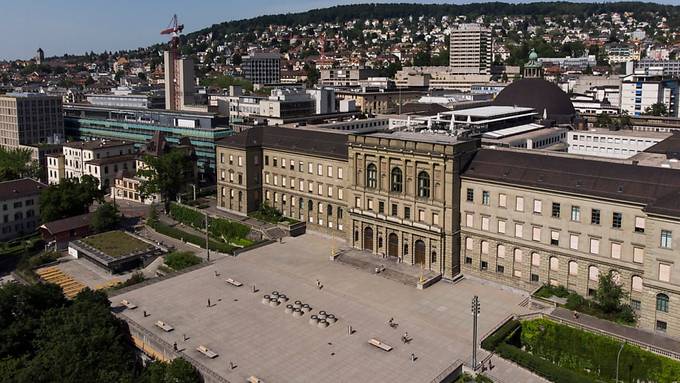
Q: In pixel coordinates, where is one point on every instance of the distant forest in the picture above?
(343, 13)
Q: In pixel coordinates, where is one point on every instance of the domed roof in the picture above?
(538, 94)
(533, 55)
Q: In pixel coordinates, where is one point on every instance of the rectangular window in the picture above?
(421, 215)
(554, 237)
(519, 229)
(381, 207)
(485, 223)
(535, 259)
(519, 203)
(329, 171)
(369, 204)
(538, 206)
(555, 210)
(292, 164)
(594, 246)
(266, 160)
(357, 201)
(575, 213)
(275, 162)
(635, 304)
(485, 247)
(573, 268)
(664, 272)
(340, 194)
(468, 260)
(319, 170)
(666, 239)
(500, 251)
(501, 226)
(617, 219)
(536, 234)
(469, 244)
(340, 173)
(518, 273)
(470, 196)
(320, 189)
(534, 277)
(638, 254)
(310, 168)
(407, 212)
(639, 224)
(661, 326)
(573, 241)
(469, 220)
(283, 163)
(485, 198)
(595, 216)
(330, 191)
(500, 269)
(395, 209)
(302, 185)
(502, 200)
(484, 265)
(616, 250)
(435, 218)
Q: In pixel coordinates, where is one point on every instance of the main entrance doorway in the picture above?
(368, 239)
(393, 245)
(419, 252)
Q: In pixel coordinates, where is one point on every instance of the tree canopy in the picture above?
(658, 109)
(166, 175)
(17, 163)
(105, 218)
(46, 338)
(69, 198)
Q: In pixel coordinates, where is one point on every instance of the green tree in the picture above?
(312, 74)
(105, 218)
(658, 109)
(179, 260)
(69, 198)
(609, 293)
(165, 175)
(176, 371)
(604, 121)
(17, 163)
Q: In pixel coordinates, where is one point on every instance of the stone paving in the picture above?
(401, 272)
(267, 342)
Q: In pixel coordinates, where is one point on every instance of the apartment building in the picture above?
(530, 219)
(102, 159)
(30, 119)
(470, 49)
(347, 77)
(261, 67)
(641, 90)
(19, 200)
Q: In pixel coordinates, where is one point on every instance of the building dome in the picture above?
(533, 56)
(538, 94)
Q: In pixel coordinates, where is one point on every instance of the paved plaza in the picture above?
(273, 345)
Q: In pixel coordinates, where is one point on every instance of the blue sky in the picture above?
(77, 26)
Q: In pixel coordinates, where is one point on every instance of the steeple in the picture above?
(533, 68)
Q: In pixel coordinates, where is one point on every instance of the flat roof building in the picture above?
(30, 119)
(470, 51)
(262, 67)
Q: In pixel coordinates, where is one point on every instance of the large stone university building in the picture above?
(447, 205)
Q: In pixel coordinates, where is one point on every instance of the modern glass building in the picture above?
(135, 124)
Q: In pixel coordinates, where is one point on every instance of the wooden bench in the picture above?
(207, 352)
(254, 379)
(164, 326)
(128, 304)
(379, 344)
(234, 282)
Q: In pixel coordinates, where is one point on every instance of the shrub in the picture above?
(135, 278)
(220, 228)
(196, 240)
(492, 341)
(540, 366)
(179, 260)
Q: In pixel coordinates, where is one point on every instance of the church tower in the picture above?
(533, 68)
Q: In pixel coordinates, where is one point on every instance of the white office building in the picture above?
(620, 144)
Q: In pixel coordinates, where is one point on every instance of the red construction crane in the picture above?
(173, 29)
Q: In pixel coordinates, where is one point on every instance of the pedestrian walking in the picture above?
(413, 357)
(208, 302)
(318, 284)
(174, 346)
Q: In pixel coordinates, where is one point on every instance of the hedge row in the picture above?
(540, 366)
(196, 240)
(579, 350)
(218, 227)
(492, 341)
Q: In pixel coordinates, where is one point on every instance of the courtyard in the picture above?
(256, 339)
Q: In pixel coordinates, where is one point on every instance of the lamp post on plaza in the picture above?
(618, 356)
(475, 314)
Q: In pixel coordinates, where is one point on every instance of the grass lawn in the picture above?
(116, 243)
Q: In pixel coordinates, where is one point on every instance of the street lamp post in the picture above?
(475, 314)
(618, 356)
(207, 243)
(194, 187)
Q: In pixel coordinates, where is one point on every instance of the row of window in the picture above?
(18, 204)
(394, 211)
(321, 189)
(397, 180)
(298, 202)
(321, 169)
(575, 213)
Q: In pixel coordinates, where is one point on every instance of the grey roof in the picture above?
(538, 94)
(670, 147)
(656, 188)
(314, 142)
(24, 187)
(67, 224)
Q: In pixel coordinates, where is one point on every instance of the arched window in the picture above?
(593, 273)
(573, 268)
(423, 184)
(310, 205)
(636, 283)
(434, 257)
(371, 176)
(329, 210)
(554, 264)
(662, 302)
(397, 180)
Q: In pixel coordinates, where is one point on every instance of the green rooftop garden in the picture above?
(115, 243)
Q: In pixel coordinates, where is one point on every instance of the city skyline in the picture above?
(92, 28)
